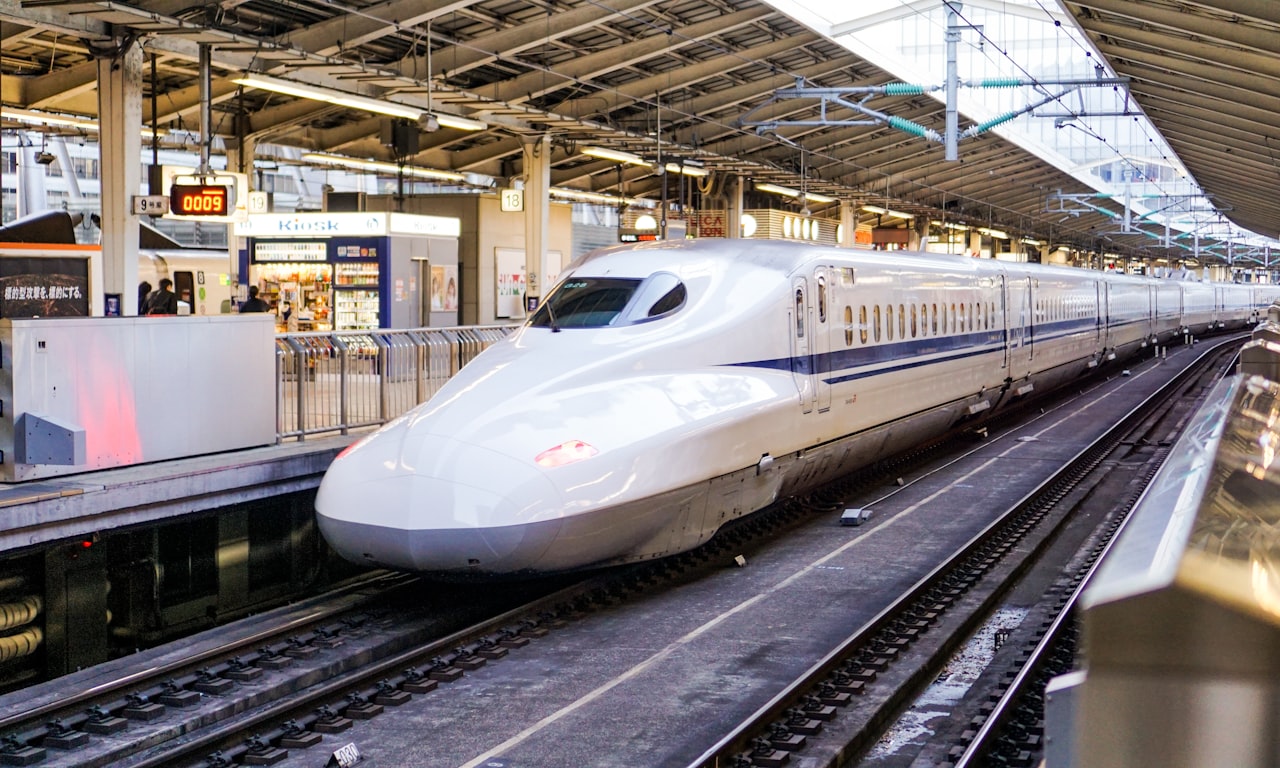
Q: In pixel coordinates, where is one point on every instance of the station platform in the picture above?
(37, 513)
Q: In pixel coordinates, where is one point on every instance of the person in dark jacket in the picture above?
(144, 293)
(255, 304)
(163, 301)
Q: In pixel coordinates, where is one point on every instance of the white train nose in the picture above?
(447, 507)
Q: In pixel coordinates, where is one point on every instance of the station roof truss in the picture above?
(670, 79)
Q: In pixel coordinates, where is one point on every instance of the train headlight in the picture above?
(565, 453)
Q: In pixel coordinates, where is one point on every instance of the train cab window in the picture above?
(888, 316)
(862, 323)
(848, 327)
(599, 302)
(876, 325)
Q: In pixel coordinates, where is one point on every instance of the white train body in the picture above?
(599, 434)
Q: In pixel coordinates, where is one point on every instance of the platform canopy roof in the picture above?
(703, 82)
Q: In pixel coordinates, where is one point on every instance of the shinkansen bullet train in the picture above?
(665, 389)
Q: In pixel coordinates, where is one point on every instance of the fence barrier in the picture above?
(335, 382)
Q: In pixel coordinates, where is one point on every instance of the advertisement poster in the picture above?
(509, 268)
(444, 288)
(35, 286)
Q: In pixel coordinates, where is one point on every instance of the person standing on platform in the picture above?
(255, 304)
(163, 301)
(144, 293)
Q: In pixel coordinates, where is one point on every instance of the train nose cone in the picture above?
(446, 506)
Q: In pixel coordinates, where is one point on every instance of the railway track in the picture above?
(312, 684)
(1006, 724)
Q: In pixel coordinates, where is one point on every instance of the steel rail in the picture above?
(736, 740)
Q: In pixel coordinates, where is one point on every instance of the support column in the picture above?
(537, 202)
(733, 201)
(849, 223)
(120, 147)
(919, 237)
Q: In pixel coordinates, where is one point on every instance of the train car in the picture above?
(201, 277)
(665, 389)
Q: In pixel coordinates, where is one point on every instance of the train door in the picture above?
(822, 338)
(1018, 318)
(184, 285)
(1098, 304)
(801, 359)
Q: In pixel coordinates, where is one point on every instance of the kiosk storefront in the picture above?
(348, 271)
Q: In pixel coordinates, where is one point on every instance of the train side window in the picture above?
(799, 314)
(862, 323)
(848, 326)
(962, 311)
(933, 316)
(888, 317)
(982, 317)
(953, 318)
(876, 325)
(902, 322)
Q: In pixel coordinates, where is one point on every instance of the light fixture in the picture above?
(32, 117)
(596, 197)
(646, 221)
(459, 123)
(995, 233)
(887, 212)
(381, 167)
(812, 197)
(616, 155)
(329, 96)
(688, 170)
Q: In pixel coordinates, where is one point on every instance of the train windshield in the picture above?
(599, 302)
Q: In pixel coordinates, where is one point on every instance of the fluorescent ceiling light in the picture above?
(381, 167)
(789, 192)
(459, 123)
(71, 121)
(618, 156)
(597, 197)
(329, 96)
(687, 170)
(887, 212)
(996, 233)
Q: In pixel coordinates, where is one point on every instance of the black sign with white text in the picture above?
(34, 286)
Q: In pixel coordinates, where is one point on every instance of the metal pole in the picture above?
(206, 108)
(953, 114)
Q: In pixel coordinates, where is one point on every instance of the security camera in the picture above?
(428, 124)
(45, 158)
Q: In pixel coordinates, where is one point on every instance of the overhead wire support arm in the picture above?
(987, 125)
(840, 96)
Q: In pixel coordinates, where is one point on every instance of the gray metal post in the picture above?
(953, 114)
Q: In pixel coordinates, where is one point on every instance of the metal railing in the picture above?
(335, 382)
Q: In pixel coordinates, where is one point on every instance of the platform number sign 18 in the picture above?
(512, 200)
(344, 757)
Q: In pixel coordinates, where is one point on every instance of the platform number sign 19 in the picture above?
(344, 757)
